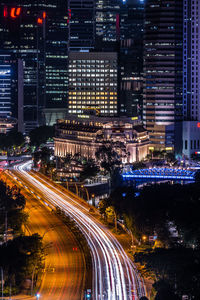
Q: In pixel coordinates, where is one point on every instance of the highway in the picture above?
(64, 272)
(114, 274)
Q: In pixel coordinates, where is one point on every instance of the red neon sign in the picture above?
(5, 12)
(18, 11)
(44, 15)
(39, 21)
(12, 12)
(198, 124)
(69, 15)
(15, 12)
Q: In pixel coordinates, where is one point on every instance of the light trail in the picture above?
(114, 274)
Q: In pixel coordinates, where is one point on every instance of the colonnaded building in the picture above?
(85, 134)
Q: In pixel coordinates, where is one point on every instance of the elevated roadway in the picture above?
(64, 271)
(114, 275)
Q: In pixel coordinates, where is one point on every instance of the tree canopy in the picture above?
(41, 135)
(107, 157)
(11, 140)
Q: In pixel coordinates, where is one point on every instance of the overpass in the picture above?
(160, 173)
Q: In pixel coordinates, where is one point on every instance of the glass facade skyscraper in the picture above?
(81, 15)
(131, 57)
(11, 88)
(163, 65)
(37, 33)
(107, 20)
(191, 60)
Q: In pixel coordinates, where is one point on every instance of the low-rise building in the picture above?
(6, 124)
(190, 138)
(85, 135)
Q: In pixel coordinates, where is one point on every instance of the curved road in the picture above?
(114, 275)
(64, 273)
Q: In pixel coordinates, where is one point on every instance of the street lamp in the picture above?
(93, 199)
(144, 238)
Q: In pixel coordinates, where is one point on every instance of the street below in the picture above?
(114, 274)
(64, 272)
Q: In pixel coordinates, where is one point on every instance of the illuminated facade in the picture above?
(6, 124)
(190, 138)
(191, 79)
(162, 105)
(191, 60)
(37, 34)
(84, 136)
(11, 90)
(93, 83)
(21, 35)
(119, 27)
(107, 20)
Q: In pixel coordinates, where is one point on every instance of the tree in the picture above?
(20, 257)
(12, 203)
(11, 140)
(43, 156)
(107, 158)
(103, 204)
(175, 269)
(112, 215)
(90, 169)
(41, 135)
(165, 291)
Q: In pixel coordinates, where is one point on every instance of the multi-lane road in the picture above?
(64, 270)
(114, 275)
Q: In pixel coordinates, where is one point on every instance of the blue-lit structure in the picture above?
(160, 173)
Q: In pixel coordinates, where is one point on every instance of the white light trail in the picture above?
(114, 274)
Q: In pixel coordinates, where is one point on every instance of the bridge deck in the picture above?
(160, 173)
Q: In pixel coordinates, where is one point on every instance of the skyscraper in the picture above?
(21, 35)
(107, 20)
(56, 60)
(131, 57)
(81, 15)
(191, 60)
(162, 70)
(191, 78)
(37, 33)
(93, 83)
(11, 88)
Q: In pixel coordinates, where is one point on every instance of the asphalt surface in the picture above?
(114, 274)
(64, 273)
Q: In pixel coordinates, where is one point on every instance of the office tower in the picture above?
(37, 33)
(191, 60)
(11, 89)
(131, 57)
(81, 14)
(162, 105)
(21, 34)
(107, 20)
(191, 78)
(56, 60)
(119, 27)
(93, 83)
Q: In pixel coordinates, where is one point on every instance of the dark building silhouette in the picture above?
(131, 57)
(81, 15)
